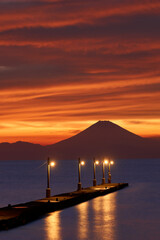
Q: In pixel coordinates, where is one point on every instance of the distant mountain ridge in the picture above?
(21, 151)
(102, 139)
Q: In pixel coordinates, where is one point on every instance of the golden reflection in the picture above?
(105, 215)
(97, 218)
(52, 225)
(83, 221)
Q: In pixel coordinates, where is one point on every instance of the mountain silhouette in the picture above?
(102, 139)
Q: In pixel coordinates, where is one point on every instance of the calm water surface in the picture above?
(132, 213)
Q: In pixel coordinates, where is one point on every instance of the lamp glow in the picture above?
(82, 163)
(110, 162)
(49, 165)
(95, 162)
(52, 164)
(105, 161)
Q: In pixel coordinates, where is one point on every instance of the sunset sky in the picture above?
(65, 64)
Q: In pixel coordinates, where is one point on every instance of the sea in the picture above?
(132, 213)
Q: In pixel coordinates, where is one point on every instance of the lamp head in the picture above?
(82, 163)
(106, 161)
(52, 164)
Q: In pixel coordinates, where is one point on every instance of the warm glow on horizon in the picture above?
(43, 133)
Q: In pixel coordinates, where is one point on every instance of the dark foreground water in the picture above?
(130, 214)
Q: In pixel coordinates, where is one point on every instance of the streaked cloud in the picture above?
(66, 64)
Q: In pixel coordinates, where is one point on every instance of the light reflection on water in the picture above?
(83, 220)
(132, 213)
(101, 217)
(105, 216)
(53, 226)
(95, 219)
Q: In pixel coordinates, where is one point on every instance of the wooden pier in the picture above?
(20, 214)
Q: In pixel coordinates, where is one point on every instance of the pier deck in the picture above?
(20, 214)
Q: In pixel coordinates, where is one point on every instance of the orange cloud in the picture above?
(66, 64)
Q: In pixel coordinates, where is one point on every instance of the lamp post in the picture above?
(109, 170)
(79, 173)
(48, 190)
(103, 171)
(95, 162)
